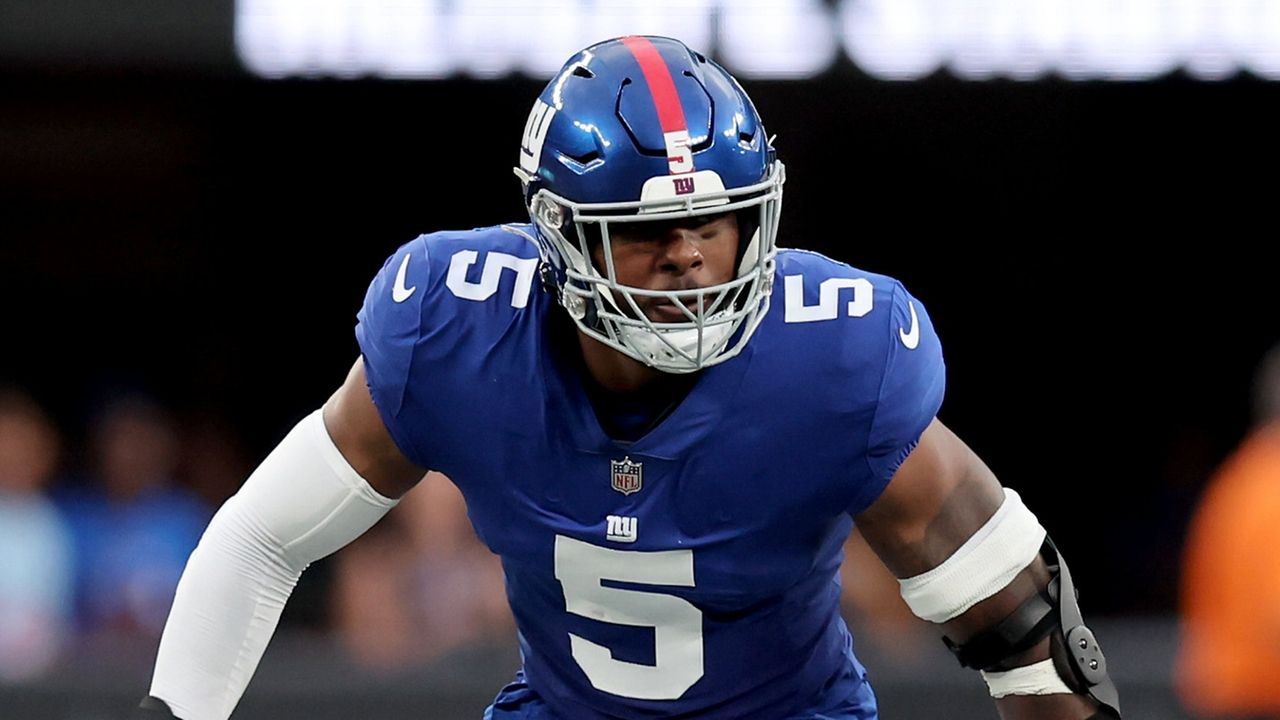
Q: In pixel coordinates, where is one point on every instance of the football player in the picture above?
(665, 426)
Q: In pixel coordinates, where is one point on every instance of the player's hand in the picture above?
(153, 709)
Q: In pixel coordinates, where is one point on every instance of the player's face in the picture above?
(684, 254)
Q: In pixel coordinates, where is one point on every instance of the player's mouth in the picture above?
(665, 310)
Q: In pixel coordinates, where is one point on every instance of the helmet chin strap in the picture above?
(685, 342)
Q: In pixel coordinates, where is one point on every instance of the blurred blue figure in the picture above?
(134, 527)
(35, 543)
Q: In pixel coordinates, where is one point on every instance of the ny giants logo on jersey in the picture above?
(623, 529)
(625, 475)
(684, 185)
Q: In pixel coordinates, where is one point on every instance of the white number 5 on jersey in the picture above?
(494, 263)
(676, 623)
(828, 307)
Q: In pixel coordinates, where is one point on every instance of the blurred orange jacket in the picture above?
(1229, 662)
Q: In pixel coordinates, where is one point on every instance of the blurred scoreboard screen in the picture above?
(768, 39)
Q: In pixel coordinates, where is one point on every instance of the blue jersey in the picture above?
(694, 571)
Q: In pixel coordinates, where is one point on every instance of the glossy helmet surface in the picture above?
(644, 129)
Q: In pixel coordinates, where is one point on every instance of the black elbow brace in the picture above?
(1053, 613)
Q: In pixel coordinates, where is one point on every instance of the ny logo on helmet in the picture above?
(683, 185)
(625, 475)
(535, 133)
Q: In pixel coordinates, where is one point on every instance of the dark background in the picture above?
(1095, 256)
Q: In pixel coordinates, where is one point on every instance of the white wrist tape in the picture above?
(1036, 679)
(981, 567)
(303, 502)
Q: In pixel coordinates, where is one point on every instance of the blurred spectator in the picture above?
(420, 584)
(872, 605)
(213, 462)
(134, 527)
(1229, 663)
(35, 543)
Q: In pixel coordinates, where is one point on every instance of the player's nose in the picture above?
(680, 251)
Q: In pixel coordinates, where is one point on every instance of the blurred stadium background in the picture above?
(193, 197)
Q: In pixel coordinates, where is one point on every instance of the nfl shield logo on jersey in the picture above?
(625, 475)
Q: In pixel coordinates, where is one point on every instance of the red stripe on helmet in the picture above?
(661, 86)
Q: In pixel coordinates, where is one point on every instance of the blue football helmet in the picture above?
(644, 129)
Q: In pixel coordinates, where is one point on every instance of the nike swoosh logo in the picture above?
(399, 292)
(909, 338)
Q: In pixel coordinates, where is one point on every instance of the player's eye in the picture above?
(705, 220)
(639, 232)
(651, 232)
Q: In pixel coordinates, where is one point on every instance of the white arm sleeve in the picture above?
(302, 503)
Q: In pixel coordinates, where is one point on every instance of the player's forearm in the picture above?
(302, 503)
(226, 609)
